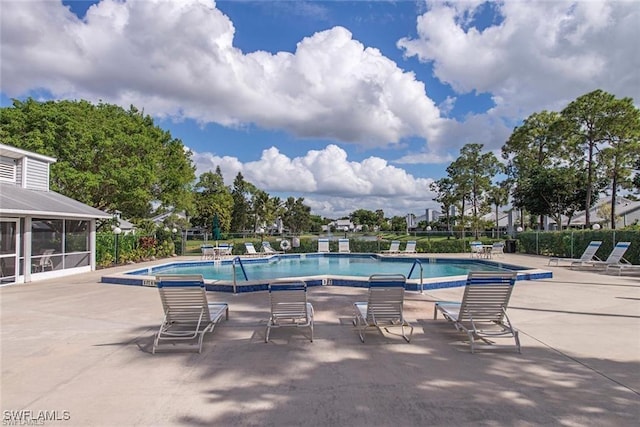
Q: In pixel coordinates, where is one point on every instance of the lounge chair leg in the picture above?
(200, 343)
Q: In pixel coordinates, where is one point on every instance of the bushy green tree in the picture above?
(364, 217)
(445, 195)
(212, 198)
(471, 174)
(107, 157)
(552, 191)
(241, 206)
(590, 123)
(297, 215)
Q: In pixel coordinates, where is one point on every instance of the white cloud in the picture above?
(331, 184)
(543, 54)
(177, 59)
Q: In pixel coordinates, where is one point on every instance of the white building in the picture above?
(42, 233)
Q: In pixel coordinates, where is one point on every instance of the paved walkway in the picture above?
(79, 350)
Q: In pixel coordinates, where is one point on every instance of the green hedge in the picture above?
(571, 244)
(132, 248)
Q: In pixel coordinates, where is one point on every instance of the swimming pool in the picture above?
(251, 274)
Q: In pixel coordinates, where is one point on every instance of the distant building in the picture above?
(42, 233)
(627, 213)
(158, 220)
(340, 224)
(431, 215)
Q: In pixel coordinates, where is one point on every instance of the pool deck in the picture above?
(79, 349)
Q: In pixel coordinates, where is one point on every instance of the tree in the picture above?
(398, 223)
(107, 157)
(445, 196)
(364, 217)
(636, 178)
(297, 216)
(316, 223)
(380, 220)
(552, 191)
(587, 126)
(212, 198)
(498, 195)
(472, 173)
(241, 206)
(535, 144)
(622, 152)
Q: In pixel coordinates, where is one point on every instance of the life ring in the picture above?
(285, 245)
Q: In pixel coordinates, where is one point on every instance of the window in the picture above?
(76, 243)
(46, 234)
(76, 236)
(7, 170)
(58, 244)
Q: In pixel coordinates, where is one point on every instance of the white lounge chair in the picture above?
(623, 267)
(343, 246)
(188, 315)
(614, 258)
(250, 249)
(267, 249)
(588, 255)
(384, 308)
(225, 249)
(497, 249)
(45, 262)
(482, 313)
(289, 307)
(323, 245)
(477, 249)
(410, 248)
(394, 247)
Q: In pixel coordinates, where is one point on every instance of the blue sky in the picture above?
(349, 104)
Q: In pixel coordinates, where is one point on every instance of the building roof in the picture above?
(624, 207)
(17, 153)
(17, 201)
(159, 219)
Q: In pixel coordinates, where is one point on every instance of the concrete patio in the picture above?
(80, 350)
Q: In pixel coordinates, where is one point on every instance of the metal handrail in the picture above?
(417, 261)
(233, 265)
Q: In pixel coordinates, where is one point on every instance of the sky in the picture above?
(349, 104)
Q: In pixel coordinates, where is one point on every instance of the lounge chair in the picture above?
(588, 255)
(623, 267)
(267, 249)
(343, 246)
(188, 315)
(384, 308)
(482, 313)
(614, 258)
(45, 262)
(250, 249)
(323, 245)
(497, 249)
(225, 249)
(394, 248)
(289, 307)
(410, 248)
(476, 248)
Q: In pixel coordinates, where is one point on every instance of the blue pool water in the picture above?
(344, 265)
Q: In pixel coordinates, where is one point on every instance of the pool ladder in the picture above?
(244, 272)
(417, 262)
